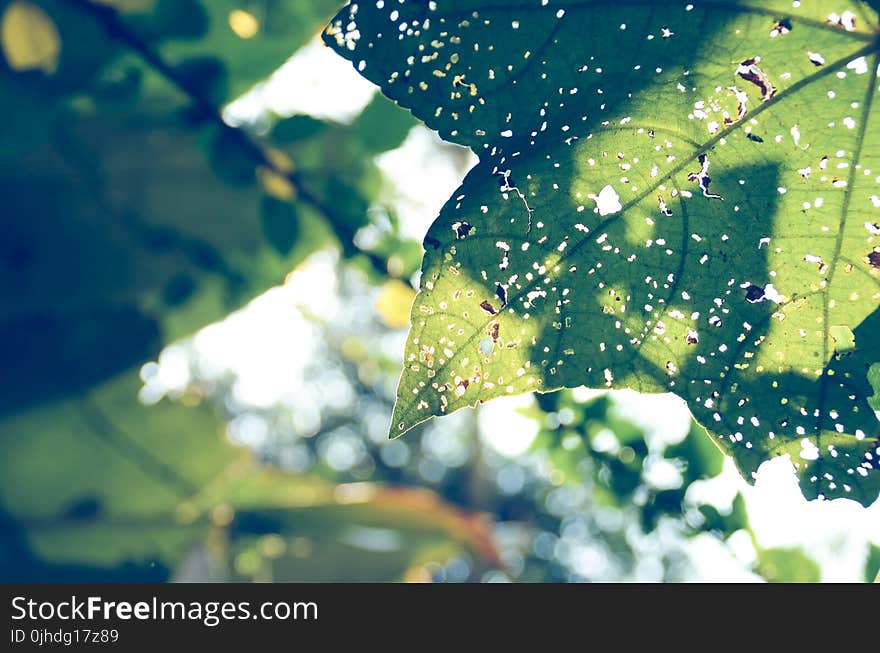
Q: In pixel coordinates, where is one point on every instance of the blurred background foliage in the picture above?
(135, 212)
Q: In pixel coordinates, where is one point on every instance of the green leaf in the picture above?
(104, 488)
(232, 157)
(725, 523)
(670, 197)
(280, 224)
(382, 125)
(250, 56)
(180, 19)
(119, 87)
(296, 128)
(787, 566)
(249, 39)
(703, 458)
(119, 237)
(872, 564)
(874, 380)
(206, 76)
(46, 36)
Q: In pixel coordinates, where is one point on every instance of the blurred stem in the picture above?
(116, 29)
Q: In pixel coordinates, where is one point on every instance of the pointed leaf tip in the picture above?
(650, 212)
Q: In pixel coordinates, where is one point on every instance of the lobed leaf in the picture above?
(671, 197)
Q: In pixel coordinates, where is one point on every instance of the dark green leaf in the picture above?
(206, 77)
(104, 488)
(872, 564)
(180, 19)
(382, 125)
(280, 224)
(282, 27)
(296, 128)
(874, 380)
(178, 290)
(232, 158)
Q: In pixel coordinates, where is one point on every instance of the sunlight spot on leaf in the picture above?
(243, 23)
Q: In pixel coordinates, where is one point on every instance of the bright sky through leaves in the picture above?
(671, 197)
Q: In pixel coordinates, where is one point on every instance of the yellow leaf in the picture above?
(394, 302)
(29, 38)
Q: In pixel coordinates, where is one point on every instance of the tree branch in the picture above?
(118, 31)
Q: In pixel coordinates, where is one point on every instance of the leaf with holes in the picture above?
(670, 197)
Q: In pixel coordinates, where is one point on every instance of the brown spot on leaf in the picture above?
(751, 72)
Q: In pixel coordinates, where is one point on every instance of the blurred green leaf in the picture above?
(152, 228)
(348, 201)
(27, 126)
(48, 354)
(128, 6)
(382, 125)
(787, 566)
(282, 27)
(725, 523)
(104, 486)
(872, 564)
(296, 128)
(74, 66)
(180, 19)
(119, 87)
(206, 76)
(178, 290)
(280, 224)
(234, 161)
(704, 459)
(874, 380)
